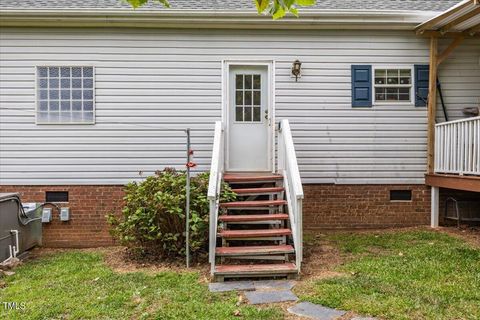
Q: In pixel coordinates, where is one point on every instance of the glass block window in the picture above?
(65, 95)
(248, 98)
(393, 85)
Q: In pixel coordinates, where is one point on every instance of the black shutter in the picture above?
(361, 86)
(422, 74)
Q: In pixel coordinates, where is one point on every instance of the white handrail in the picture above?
(456, 121)
(288, 167)
(457, 147)
(214, 186)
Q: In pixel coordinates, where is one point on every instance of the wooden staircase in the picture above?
(260, 234)
(254, 235)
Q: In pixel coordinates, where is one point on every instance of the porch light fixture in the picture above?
(296, 69)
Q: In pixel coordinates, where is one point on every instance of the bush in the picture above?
(153, 219)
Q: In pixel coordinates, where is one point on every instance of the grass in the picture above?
(403, 275)
(78, 285)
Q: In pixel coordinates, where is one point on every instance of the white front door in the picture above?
(248, 143)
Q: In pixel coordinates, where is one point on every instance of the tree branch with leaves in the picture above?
(275, 8)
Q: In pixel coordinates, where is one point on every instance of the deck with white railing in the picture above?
(457, 147)
(456, 160)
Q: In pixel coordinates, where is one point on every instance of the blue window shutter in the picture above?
(361, 86)
(422, 73)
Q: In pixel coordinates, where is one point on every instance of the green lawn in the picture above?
(403, 275)
(78, 285)
(391, 275)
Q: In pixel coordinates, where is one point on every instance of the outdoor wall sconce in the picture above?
(296, 69)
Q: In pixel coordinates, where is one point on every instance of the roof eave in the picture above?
(309, 19)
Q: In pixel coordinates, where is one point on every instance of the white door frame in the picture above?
(270, 64)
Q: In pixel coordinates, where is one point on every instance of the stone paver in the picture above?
(259, 297)
(363, 318)
(274, 284)
(231, 286)
(314, 311)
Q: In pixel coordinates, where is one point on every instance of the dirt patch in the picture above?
(470, 235)
(121, 261)
(320, 257)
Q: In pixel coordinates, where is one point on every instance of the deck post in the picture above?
(435, 207)
(432, 104)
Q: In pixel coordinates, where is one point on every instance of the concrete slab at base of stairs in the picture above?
(260, 297)
(231, 286)
(315, 311)
(274, 284)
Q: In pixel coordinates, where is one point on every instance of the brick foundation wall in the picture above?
(363, 206)
(325, 206)
(88, 206)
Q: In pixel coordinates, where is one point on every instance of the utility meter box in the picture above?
(64, 214)
(47, 215)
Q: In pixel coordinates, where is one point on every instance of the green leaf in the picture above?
(261, 5)
(137, 3)
(279, 13)
(294, 11)
(306, 3)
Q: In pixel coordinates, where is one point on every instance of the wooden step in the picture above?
(259, 233)
(245, 178)
(255, 269)
(253, 250)
(252, 217)
(255, 191)
(253, 204)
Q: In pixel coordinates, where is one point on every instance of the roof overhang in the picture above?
(144, 18)
(462, 19)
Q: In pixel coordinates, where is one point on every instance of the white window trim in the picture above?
(396, 103)
(37, 98)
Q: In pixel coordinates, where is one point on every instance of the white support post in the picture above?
(435, 207)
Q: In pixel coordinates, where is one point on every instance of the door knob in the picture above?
(266, 114)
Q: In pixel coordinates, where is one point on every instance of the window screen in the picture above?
(65, 95)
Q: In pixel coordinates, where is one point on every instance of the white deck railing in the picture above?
(288, 167)
(214, 188)
(457, 147)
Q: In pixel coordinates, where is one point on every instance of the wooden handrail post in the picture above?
(432, 104)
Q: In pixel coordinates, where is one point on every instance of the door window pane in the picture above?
(248, 100)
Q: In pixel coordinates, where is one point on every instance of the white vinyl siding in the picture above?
(152, 84)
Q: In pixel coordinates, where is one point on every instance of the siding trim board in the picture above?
(237, 19)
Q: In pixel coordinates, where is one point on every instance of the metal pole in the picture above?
(187, 206)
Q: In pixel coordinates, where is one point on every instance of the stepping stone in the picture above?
(274, 284)
(259, 297)
(315, 311)
(363, 318)
(231, 286)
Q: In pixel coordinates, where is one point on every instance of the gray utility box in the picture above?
(12, 217)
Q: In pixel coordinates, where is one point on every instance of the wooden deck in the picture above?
(451, 181)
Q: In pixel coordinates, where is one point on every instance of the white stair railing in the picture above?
(214, 188)
(457, 147)
(288, 167)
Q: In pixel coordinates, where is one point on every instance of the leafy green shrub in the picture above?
(153, 219)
